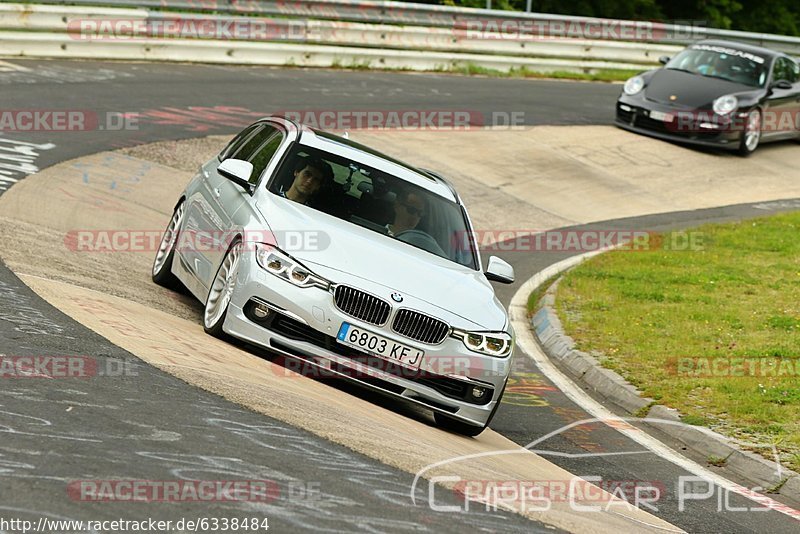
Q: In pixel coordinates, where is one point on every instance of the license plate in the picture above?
(387, 349)
(661, 116)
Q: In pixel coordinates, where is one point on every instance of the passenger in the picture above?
(309, 176)
(409, 209)
(717, 67)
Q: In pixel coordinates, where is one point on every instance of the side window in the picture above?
(248, 149)
(237, 141)
(795, 70)
(261, 158)
(783, 70)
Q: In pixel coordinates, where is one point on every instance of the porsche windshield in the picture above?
(375, 200)
(723, 63)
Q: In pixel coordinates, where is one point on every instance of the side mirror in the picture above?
(782, 84)
(499, 271)
(238, 172)
(664, 60)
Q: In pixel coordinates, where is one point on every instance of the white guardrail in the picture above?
(377, 36)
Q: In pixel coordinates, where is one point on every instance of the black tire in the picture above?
(162, 263)
(746, 145)
(451, 424)
(445, 422)
(213, 321)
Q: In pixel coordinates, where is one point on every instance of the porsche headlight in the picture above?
(633, 85)
(725, 104)
(274, 261)
(498, 344)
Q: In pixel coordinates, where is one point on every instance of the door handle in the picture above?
(216, 192)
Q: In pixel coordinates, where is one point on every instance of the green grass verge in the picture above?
(538, 293)
(603, 75)
(732, 307)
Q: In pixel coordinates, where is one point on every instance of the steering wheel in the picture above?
(422, 240)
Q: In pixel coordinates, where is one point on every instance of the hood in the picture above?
(346, 250)
(693, 91)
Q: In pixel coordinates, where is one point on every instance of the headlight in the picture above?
(498, 344)
(273, 260)
(725, 104)
(633, 85)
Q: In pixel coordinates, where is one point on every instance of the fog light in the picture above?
(260, 311)
(478, 392)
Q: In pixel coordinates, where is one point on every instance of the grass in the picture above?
(537, 294)
(657, 315)
(602, 75)
(470, 69)
(717, 461)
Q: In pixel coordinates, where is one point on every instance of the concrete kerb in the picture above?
(613, 389)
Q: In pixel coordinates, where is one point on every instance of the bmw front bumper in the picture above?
(303, 324)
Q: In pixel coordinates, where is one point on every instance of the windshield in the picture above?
(724, 63)
(375, 200)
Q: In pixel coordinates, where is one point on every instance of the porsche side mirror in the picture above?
(782, 84)
(664, 60)
(498, 270)
(238, 172)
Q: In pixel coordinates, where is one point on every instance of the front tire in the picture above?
(446, 422)
(219, 296)
(162, 264)
(751, 135)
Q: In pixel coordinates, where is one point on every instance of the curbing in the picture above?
(613, 388)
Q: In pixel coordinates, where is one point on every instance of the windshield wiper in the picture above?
(719, 78)
(682, 70)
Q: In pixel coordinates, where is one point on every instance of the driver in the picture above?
(409, 209)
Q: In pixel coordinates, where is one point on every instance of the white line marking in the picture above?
(10, 67)
(530, 347)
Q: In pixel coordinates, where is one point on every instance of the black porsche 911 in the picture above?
(716, 93)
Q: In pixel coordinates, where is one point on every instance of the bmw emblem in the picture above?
(397, 297)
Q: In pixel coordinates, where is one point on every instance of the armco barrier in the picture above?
(51, 45)
(53, 30)
(408, 13)
(20, 17)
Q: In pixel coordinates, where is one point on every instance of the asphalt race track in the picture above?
(154, 426)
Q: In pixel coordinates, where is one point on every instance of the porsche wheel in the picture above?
(751, 134)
